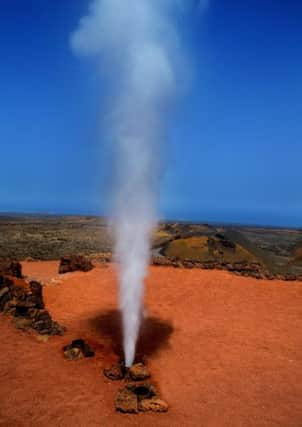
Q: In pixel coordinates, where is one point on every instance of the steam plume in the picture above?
(137, 41)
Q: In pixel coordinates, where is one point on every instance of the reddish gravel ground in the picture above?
(224, 351)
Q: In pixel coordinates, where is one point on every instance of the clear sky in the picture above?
(234, 149)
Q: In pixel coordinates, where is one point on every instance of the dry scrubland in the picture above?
(50, 237)
(279, 251)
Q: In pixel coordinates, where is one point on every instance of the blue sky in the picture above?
(235, 143)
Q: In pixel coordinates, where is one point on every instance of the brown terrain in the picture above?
(224, 350)
(249, 251)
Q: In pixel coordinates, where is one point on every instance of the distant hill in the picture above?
(44, 237)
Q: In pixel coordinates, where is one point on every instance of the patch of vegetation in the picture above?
(51, 237)
(200, 249)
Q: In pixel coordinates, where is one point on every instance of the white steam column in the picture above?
(137, 41)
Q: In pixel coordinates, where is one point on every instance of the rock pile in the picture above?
(141, 397)
(138, 372)
(74, 263)
(118, 371)
(24, 301)
(138, 396)
(78, 349)
(10, 267)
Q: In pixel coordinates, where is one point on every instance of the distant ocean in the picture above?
(214, 218)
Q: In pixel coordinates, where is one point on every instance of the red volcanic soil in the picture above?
(224, 351)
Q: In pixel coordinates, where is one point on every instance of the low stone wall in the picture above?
(248, 269)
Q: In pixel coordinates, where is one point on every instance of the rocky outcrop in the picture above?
(10, 267)
(24, 301)
(244, 268)
(74, 263)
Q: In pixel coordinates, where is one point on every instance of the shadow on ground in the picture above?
(154, 333)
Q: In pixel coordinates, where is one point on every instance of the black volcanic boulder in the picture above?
(77, 350)
(9, 267)
(74, 263)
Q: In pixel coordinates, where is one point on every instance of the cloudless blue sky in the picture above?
(235, 144)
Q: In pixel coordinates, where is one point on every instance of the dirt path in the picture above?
(224, 350)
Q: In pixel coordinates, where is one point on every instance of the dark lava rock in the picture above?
(126, 401)
(9, 267)
(139, 397)
(36, 297)
(74, 263)
(163, 261)
(115, 372)
(5, 297)
(153, 405)
(42, 321)
(84, 347)
(77, 350)
(57, 329)
(289, 277)
(32, 313)
(138, 372)
(143, 390)
(241, 268)
(3, 292)
(23, 323)
(73, 354)
(5, 282)
(25, 301)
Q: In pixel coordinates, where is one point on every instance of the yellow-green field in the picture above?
(196, 248)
